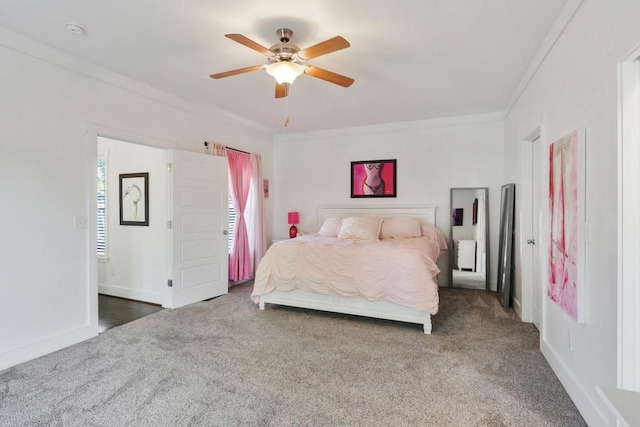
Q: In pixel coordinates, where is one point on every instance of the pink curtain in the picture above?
(239, 184)
(256, 218)
(219, 150)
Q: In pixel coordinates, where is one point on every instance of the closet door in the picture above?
(197, 227)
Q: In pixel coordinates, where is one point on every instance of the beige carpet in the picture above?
(224, 362)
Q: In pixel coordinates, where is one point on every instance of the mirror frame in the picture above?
(486, 231)
(505, 244)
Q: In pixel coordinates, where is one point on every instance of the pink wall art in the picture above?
(566, 217)
(373, 178)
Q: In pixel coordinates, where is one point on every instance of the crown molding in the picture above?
(554, 34)
(57, 58)
(393, 127)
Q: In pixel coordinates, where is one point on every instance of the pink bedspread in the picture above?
(402, 271)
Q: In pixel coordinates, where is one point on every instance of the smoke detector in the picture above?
(74, 29)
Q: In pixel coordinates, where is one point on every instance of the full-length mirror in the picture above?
(505, 246)
(469, 235)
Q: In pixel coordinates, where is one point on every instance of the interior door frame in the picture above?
(628, 225)
(539, 210)
(525, 217)
(92, 132)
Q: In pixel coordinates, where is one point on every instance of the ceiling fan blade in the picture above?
(249, 43)
(238, 71)
(322, 48)
(329, 76)
(281, 91)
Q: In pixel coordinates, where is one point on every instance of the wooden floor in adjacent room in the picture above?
(114, 311)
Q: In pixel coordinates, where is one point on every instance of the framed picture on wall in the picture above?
(134, 198)
(373, 178)
(457, 216)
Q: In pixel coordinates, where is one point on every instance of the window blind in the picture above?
(232, 224)
(102, 208)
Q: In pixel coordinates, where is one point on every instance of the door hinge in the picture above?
(170, 283)
(169, 167)
(169, 225)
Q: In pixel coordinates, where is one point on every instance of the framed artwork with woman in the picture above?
(373, 178)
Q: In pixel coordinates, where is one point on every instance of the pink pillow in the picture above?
(435, 235)
(330, 227)
(400, 227)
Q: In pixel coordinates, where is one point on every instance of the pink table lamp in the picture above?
(294, 218)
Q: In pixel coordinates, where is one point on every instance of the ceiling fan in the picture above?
(287, 61)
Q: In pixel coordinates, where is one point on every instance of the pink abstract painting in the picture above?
(564, 190)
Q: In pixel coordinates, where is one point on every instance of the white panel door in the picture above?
(538, 213)
(198, 234)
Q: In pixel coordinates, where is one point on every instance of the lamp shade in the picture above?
(285, 72)
(294, 217)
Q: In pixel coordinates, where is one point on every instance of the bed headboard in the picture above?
(425, 213)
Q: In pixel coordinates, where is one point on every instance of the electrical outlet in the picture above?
(113, 271)
(570, 340)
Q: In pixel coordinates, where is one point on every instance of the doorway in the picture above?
(132, 258)
(533, 216)
(177, 255)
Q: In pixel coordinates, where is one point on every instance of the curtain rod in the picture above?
(206, 144)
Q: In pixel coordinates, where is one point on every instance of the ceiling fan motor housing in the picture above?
(284, 34)
(284, 51)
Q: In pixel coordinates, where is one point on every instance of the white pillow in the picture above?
(330, 227)
(360, 227)
(400, 227)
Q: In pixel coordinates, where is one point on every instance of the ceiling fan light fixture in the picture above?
(285, 72)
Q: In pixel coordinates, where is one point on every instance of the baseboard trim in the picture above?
(134, 294)
(45, 346)
(589, 409)
(517, 306)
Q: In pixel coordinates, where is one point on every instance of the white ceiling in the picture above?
(411, 60)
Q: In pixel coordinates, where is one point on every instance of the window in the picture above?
(232, 224)
(102, 206)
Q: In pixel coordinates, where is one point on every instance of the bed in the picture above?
(393, 278)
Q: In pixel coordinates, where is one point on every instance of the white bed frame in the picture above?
(357, 305)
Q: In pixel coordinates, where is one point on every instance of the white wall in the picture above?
(136, 265)
(52, 109)
(575, 87)
(313, 169)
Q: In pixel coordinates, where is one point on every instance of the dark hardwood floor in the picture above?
(113, 311)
